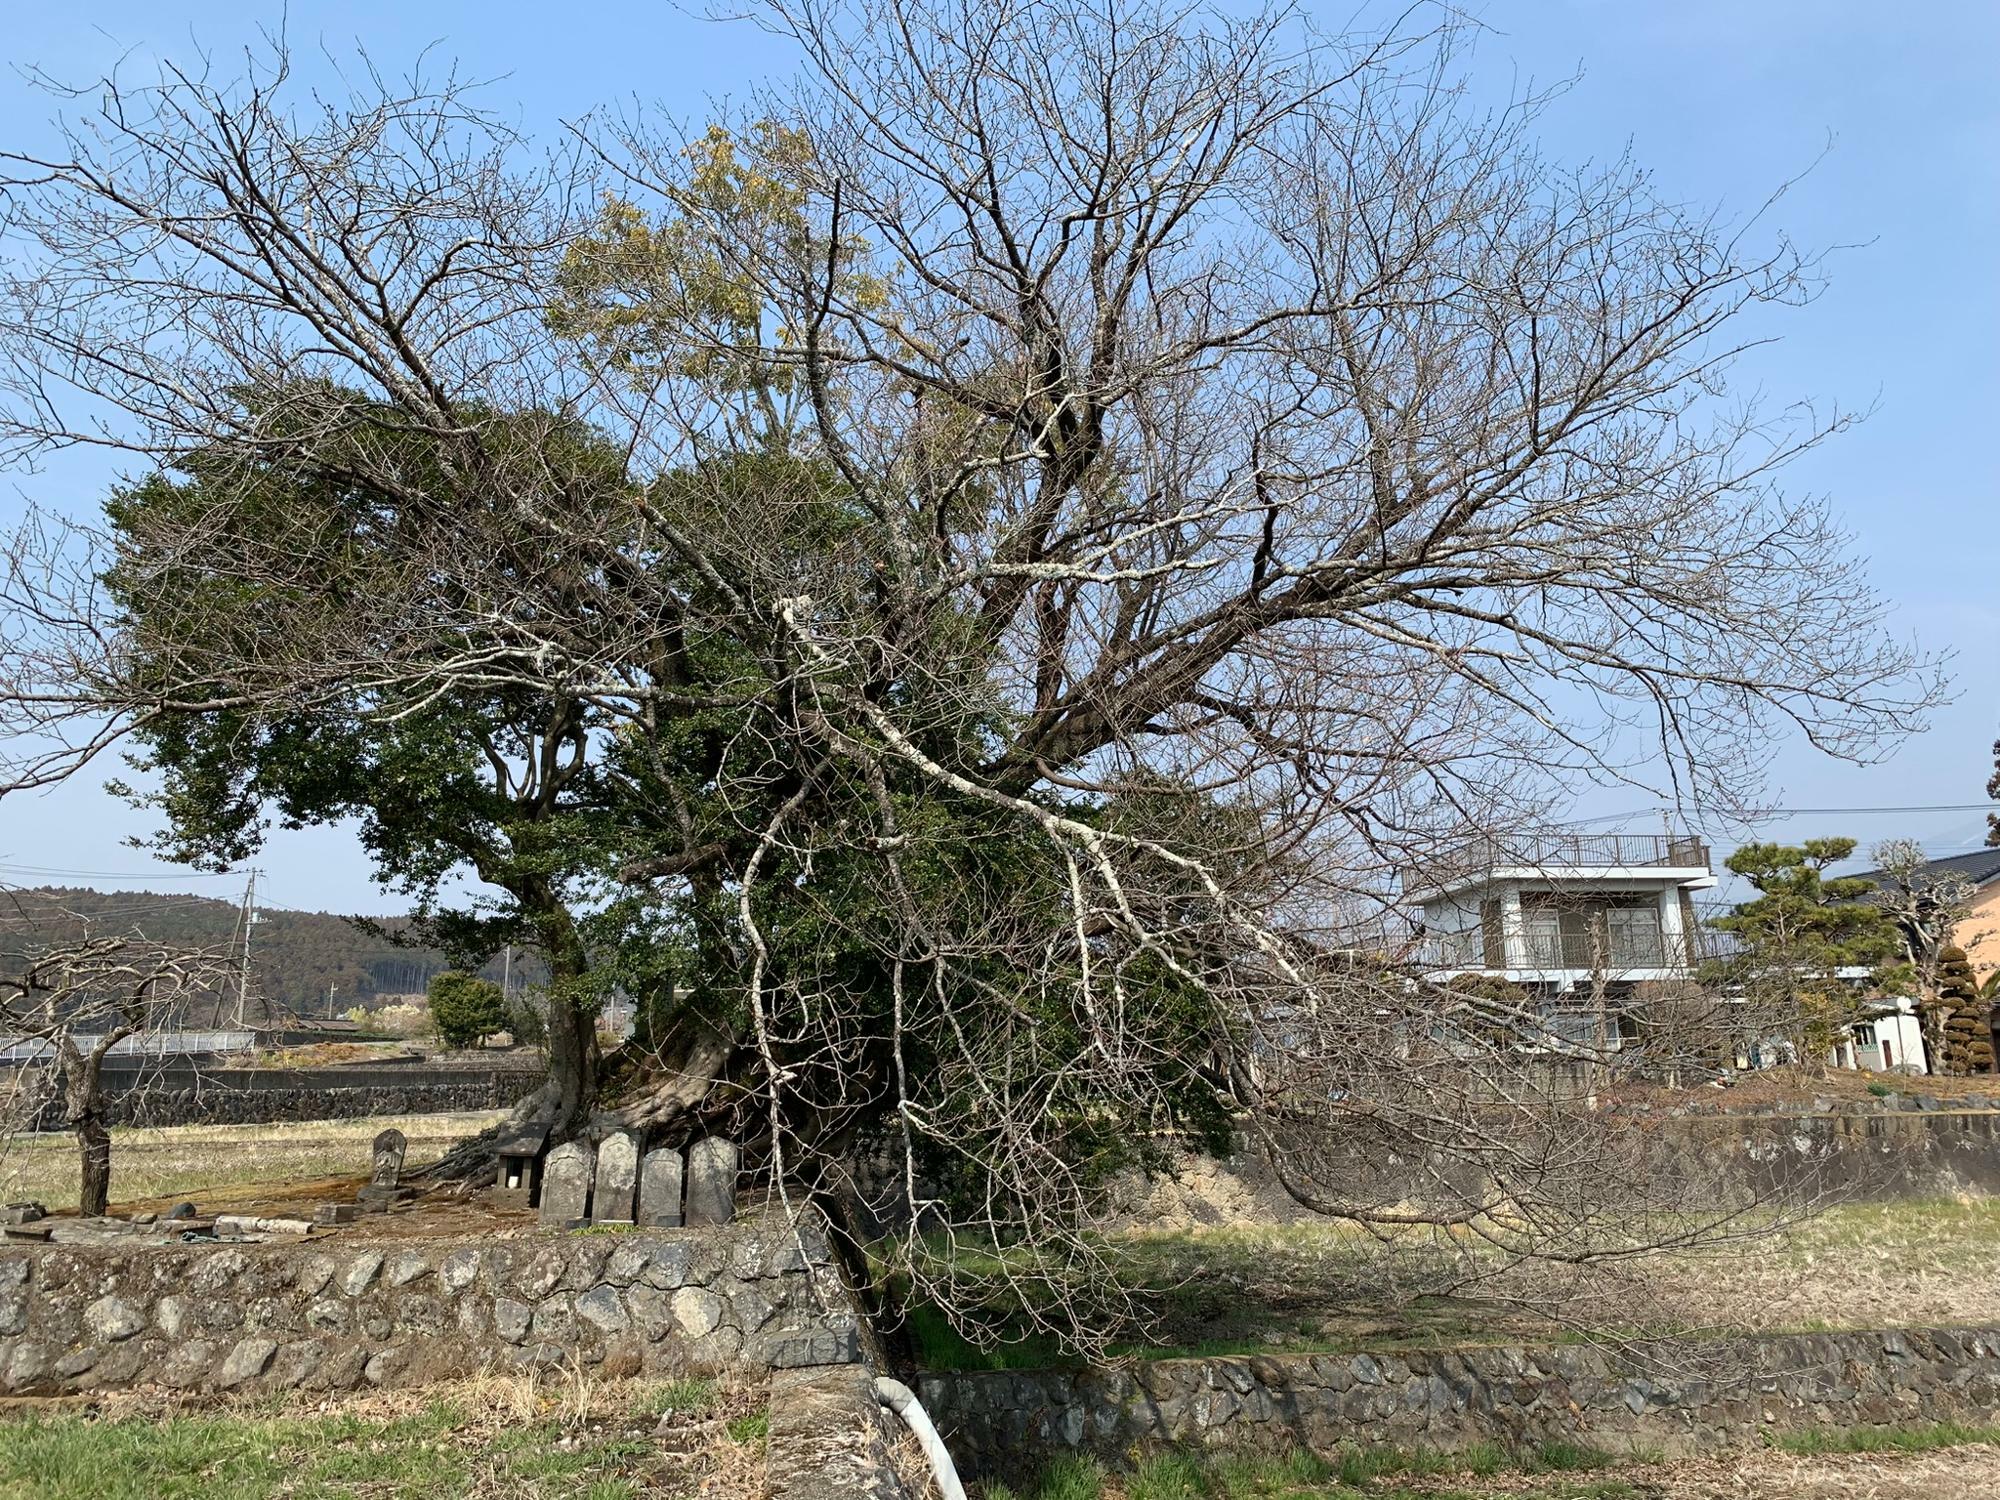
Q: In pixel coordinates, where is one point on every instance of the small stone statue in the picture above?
(385, 1175)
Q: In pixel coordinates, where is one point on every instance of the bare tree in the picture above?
(78, 997)
(1100, 489)
(1928, 907)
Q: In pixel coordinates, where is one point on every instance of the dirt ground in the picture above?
(236, 1168)
(1968, 1473)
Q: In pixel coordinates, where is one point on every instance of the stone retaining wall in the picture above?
(340, 1313)
(1876, 1156)
(831, 1439)
(214, 1101)
(1006, 1423)
(1881, 1157)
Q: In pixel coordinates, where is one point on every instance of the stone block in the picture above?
(112, 1319)
(173, 1316)
(660, 1189)
(615, 1194)
(360, 1272)
(511, 1319)
(602, 1309)
(795, 1348)
(538, 1275)
(698, 1312)
(712, 1169)
(245, 1361)
(566, 1182)
(459, 1270)
(313, 1275)
(406, 1267)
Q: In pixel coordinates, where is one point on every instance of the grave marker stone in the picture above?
(617, 1179)
(712, 1166)
(660, 1189)
(566, 1182)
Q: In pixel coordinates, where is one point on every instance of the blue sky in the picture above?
(1898, 120)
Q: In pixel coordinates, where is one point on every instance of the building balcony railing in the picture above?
(1556, 852)
(1573, 952)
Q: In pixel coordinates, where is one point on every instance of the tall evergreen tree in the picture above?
(1798, 934)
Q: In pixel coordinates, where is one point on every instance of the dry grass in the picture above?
(1302, 1288)
(1886, 1265)
(213, 1163)
(521, 1436)
(1966, 1473)
(1944, 1471)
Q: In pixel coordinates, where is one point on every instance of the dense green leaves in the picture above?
(1812, 944)
(466, 1009)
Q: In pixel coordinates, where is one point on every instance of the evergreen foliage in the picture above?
(1803, 928)
(466, 1009)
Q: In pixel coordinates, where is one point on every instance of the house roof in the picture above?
(1981, 867)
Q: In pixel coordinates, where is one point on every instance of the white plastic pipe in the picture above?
(903, 1401)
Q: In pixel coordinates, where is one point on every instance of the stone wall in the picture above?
(831, 1439)
(1919, 1150)
(1883, 1157)
(265, 1106)
(246, 1098)
(332, 1314)
(1005, 1423)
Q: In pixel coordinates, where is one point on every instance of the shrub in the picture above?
(466, 1009)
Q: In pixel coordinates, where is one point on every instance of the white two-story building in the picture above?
(1558, 912)
(1575, 918)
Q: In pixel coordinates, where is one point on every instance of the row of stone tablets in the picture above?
(607, 1184)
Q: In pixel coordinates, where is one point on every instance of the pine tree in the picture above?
(1966, 1040)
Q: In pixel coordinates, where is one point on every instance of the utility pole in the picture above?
(507, 976)
(249, 921)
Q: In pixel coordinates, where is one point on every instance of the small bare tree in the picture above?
(78, 996)
(1928, 907)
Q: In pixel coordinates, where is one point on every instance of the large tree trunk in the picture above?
(83, 1106)
(679, 1089)
(574, 1060)
(94, 1145)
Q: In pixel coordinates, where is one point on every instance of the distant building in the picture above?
(1554, 911)
(1889, 1036)
(1571, 918)
(1979, 933)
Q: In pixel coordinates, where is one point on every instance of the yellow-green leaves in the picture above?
(717, 288)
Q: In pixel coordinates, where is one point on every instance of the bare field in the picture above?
(1897, 1265)
(222, 1163)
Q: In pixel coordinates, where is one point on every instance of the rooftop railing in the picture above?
(1554, 852)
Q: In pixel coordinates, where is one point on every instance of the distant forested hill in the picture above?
(294, 955)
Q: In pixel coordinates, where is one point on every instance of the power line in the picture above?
(1775, 814)
(44, 870)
